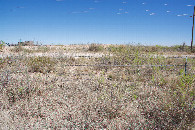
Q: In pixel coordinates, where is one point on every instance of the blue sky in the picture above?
(149, 22)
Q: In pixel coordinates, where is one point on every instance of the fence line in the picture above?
(110, 65)
(104, 65)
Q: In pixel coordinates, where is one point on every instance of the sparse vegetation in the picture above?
(40, 64)
(43, 92)
(37, 49)
(2, 44)
(95, 47)
(17, 49)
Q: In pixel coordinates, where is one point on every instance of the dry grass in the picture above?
(43, 93)
(95, 47)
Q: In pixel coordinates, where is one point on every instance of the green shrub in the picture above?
(17, 49)
(95, 47)
(41, 64)
(2, 44)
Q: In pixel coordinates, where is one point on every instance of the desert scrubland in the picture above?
(81, 87)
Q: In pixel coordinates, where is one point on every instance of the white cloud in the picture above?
(147, 10)
(152, 14)
(190, 5)
(168, 11)
(179, 15)
(165, 4)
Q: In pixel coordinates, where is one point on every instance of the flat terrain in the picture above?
(84, 87)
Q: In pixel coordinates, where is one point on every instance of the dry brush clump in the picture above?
(177, 49)
(33, 49)
(95, 47)
(41, 64)
(17, 49)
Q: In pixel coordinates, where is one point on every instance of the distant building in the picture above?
(26, 43)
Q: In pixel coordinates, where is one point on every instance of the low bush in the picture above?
(2, 44)
(41, 64)
(95, 47)
(17, 49)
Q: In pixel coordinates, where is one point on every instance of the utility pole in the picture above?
(193, 29)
